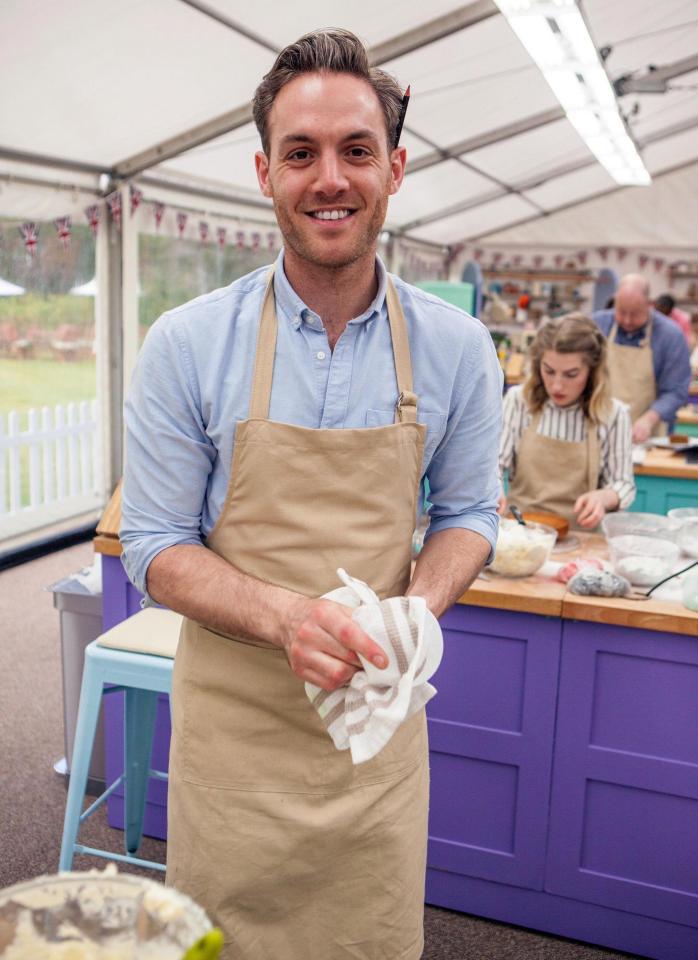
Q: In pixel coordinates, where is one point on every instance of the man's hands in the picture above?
(644, 425)
(502, 504)
(322, 642)
(591, 507)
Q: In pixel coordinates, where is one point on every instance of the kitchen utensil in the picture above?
(550, 520)
(687, 536)
(622, 523)
(521, 549)
(644, 561)
(516, 513)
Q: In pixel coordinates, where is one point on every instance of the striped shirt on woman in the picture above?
(569, 423)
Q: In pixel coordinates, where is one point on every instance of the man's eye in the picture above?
(358, 152)
(299, 155)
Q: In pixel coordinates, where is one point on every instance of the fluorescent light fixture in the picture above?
(557, 39)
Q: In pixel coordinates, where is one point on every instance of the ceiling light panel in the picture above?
(556, 37)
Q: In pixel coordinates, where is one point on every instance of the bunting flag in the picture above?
(30, 235)
(114, 204)
(658, 263)
(603, 253)
(642, 260)
(203, 231)
(557, 260)
(271, 242)
(497, 258)
(582, 257)
(158, 213)
(240, 239)
(63, 229)
(220, 236)
(477, 255)
(93, 214)
(538, 261)
(181, 223)
(136, 197)
(518, 259)
(621, 253)
(256, 241)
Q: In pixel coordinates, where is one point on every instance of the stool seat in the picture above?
(134, 657)
(153, 630)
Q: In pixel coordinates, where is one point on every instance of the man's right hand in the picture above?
(322, 643)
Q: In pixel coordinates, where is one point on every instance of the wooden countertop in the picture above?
(524, 595)
(687, 414)
(546, 597)
(666, 463)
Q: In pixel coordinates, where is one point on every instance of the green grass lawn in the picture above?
(37, 383)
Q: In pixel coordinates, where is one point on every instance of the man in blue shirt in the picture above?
(277, 429)
(647, 356)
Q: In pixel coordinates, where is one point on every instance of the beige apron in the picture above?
(551, 474)
(632, 375)
(293, 851)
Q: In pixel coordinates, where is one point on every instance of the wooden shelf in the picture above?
(560, 277)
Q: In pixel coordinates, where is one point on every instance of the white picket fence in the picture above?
(49, 465)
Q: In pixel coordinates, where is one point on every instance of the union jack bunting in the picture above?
(538, 261)
(30, 235)
(477, 255)
(92, 213)
(557, 260)
(582, 257)
(240, 239)
(497, 258)
(220, 236)
(271, 241)
(256, 241)
(517, 260)
(643, 260)
(158, 213)
(621, 253)
(114, 204)
(203, 231)
(63, 227)
(181, 223)
(658, 263)
(136, 196)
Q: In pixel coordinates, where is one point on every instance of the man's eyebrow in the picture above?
(305, 138)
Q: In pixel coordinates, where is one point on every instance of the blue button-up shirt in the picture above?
(192, 385)
(670, 358)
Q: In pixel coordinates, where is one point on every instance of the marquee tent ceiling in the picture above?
(94, 86)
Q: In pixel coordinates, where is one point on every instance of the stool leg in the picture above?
(140, 709)
(88, 714)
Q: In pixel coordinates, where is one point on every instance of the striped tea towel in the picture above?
(363, 716)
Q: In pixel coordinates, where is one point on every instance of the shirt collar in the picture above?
(290, 305)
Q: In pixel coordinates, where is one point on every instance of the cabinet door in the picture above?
(624, 813)
(661, 494)
(490, 734)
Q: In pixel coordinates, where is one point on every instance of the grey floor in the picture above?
(32, 795)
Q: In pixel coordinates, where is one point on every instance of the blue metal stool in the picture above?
(137, 657)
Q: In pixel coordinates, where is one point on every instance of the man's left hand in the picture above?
(644, 425)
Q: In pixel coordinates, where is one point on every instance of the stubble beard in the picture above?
(312, 250)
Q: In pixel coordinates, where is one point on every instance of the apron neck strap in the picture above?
(406, 406)
(646, 336)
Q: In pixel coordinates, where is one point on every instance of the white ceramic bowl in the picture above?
(687, 537)
(522, 550)
(643, 561)
(622, 523)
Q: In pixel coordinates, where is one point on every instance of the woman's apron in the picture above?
(551, 474)
(293, 851)
(632, 375)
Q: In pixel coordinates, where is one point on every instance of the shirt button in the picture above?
(321, 354)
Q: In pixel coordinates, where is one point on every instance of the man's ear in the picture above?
(261, 164)
(398, 162)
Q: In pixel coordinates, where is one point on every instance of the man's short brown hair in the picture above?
(333, 51)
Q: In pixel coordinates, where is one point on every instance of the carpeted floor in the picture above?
(32, 795)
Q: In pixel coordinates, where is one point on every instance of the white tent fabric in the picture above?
(94, 85)
(8, 289)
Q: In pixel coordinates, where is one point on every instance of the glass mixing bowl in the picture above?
(522, 550)
(687, 537)
(644, 561)
(622, 523)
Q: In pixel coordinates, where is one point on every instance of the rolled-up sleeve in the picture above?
(463, 473)
(168, 454)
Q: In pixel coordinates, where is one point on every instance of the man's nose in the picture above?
(330, 178)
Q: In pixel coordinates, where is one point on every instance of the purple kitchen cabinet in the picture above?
(624, 812)
(491, 738)
(120, 601)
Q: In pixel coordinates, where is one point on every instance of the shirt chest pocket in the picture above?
(435, 424)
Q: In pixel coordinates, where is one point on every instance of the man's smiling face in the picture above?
(329, 172)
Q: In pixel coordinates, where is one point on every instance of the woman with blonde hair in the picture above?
(566, 443)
